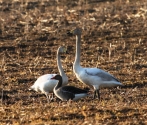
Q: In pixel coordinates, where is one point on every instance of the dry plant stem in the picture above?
(2, 97)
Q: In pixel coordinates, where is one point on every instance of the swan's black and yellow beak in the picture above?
(70, 33)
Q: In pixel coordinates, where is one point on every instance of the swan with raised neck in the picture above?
(94, 77)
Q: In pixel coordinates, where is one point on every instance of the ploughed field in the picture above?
(114, 38)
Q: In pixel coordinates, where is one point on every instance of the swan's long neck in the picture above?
(62, 73)
(60, 64)
(59, 84)
(78, 51)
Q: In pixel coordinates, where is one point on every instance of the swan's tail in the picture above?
(120, 84)
(110, 84)
(32, 88)
(116, 84)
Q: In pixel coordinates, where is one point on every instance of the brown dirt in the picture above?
(31, 32)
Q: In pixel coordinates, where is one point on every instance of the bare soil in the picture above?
(114, 38)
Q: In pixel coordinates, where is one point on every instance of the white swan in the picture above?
(93, 77)
(45, 84)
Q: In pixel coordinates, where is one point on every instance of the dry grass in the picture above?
(114, 38)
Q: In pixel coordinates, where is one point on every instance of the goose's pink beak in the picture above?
(53, 78)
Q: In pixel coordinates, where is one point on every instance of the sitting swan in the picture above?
(66, 93)
(93, 77)
(44, 83)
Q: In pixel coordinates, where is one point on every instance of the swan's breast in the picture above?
(85, 78)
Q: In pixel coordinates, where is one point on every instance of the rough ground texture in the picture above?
(114, 38)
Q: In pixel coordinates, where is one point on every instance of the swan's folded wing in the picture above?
(45, 77)
(105, 76)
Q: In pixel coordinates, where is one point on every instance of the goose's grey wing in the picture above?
(74, 90)
(65, 95)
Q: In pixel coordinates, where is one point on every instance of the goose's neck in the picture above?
(59, 84)
(78, 51)
(60, 64)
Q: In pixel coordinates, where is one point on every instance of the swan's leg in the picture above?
(94, 94)
(52, 96)
(48, 97)
(98, 94)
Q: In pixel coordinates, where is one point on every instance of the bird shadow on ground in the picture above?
(134, 85)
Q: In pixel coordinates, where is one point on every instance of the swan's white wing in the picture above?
(44, 78)
(105, 76)
(44, 83)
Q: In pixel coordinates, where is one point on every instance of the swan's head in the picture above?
(62, 49)
(76, 31)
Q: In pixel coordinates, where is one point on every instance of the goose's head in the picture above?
(62, 49)
(76, 31)
(57, 77)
